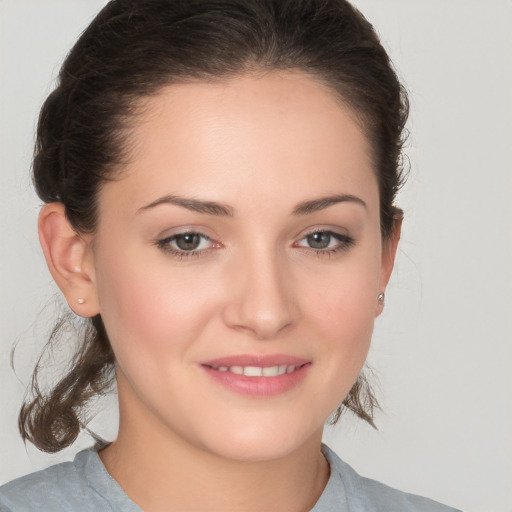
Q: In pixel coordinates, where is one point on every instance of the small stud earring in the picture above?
(80, 300)
(381, 298)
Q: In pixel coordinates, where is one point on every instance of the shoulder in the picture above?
(365, 494)
(81, 485)
(58, 487)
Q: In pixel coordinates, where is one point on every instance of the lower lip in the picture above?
(259, 386)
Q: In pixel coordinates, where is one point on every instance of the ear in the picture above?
(389, 248)
(69, 259)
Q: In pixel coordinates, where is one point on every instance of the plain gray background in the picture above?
(442, 350)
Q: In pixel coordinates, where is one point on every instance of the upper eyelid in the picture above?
(324, 230)
(182, 233)
(337, 231)
(299, 236)
(183, 230)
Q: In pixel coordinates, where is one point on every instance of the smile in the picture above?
(258, 375)
(259, 371)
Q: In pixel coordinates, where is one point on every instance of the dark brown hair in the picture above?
(132, 49)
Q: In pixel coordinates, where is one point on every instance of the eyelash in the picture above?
(165, 246)
(345, 243)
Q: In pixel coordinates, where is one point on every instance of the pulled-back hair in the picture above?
(131, 50)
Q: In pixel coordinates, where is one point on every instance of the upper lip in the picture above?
(263, 361)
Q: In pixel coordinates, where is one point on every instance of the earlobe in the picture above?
(389, 249)
(68, 258)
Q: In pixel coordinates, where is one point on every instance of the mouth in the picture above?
(258, 376)
(258, 371)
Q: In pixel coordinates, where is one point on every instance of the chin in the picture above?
(262, 441)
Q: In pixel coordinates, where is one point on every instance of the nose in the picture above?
(261, 301)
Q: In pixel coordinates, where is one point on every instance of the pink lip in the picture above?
(256, 360)
(257, 386)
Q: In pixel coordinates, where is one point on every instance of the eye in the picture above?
(189, 241)
(321, 240)
(186, 244)
(326, 242)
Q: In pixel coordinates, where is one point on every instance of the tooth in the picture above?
(270, 371)
(252, 371)
(257, 371)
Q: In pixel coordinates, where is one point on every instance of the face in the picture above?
(237, 264)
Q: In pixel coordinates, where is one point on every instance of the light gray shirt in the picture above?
(85, 485)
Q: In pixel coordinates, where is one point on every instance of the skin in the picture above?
(260, 145)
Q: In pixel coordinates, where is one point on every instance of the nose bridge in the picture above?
(263, 304)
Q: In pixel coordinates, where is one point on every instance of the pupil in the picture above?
(319, 240)
(188, 241)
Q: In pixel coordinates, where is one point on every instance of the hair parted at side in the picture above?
(131, 50)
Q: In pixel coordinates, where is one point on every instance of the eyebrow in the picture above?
(195, 205)
(224, 210)
(308, 207)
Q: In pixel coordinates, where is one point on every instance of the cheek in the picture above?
(343, 310)
(347, 327)
(149, 310)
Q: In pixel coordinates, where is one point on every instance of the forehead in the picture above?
(254, 135)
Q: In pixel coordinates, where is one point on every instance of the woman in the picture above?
(219, 180)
